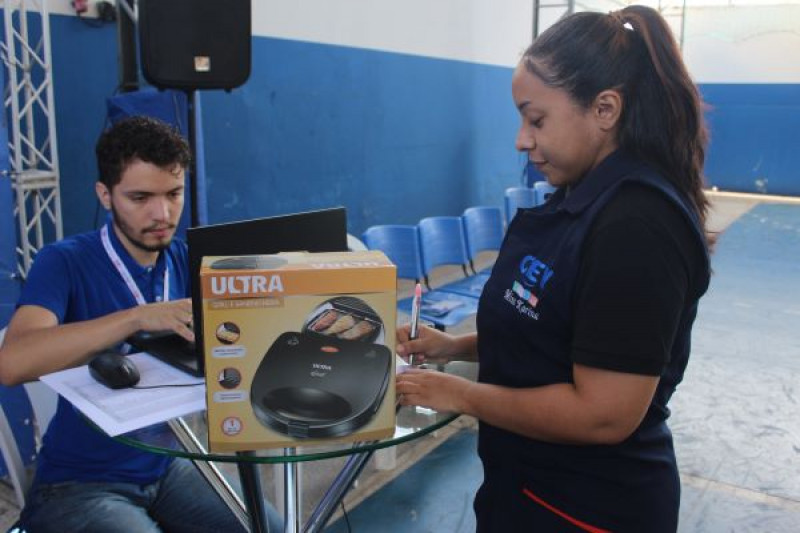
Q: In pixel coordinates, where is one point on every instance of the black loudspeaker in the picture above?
(195, 44)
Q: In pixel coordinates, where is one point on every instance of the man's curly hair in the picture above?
(139, 138)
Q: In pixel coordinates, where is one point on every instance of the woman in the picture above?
(583, 329)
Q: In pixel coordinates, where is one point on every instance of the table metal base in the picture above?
(253, 495)
(254, 498)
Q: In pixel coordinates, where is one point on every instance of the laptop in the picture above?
(324, 230)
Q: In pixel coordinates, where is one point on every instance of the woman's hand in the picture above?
(431, 346)
(433, 389)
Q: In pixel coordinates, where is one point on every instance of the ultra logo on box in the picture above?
(299, 349)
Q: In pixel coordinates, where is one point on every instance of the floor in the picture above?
(735, 417)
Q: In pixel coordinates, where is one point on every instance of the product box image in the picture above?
(299, 348)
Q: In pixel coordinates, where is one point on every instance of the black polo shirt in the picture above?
(640, 264)
(607, 276)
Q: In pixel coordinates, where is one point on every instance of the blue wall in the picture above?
(392, 137)
(754, 137)
(84, 75)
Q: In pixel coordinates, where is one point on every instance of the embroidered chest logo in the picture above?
(523, 294)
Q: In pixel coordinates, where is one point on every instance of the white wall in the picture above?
(493, 32)
(754, 44)
(722, 44)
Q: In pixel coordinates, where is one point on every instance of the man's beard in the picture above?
(126, 230)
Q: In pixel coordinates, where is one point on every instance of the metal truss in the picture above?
(30, 111)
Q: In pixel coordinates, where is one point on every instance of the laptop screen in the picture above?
(324, 230)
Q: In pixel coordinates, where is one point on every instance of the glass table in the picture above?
(412, 423)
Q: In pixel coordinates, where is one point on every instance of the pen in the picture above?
(416, 303)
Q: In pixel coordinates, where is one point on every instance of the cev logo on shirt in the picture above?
(534, 272)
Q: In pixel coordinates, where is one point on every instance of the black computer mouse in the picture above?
(114, 370)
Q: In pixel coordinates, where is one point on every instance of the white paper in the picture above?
(400, 365)
(118, 411)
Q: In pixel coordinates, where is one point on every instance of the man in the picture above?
(90, 292)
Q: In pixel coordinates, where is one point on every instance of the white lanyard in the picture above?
(123, 270)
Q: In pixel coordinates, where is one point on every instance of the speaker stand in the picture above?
(193, 181)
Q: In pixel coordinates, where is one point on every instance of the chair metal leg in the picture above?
(13, 460)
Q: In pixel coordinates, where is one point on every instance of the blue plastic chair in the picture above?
(542, 191)
(518, 197)
(483, 228)
(17, 439)
(444, 244)
(401, 244)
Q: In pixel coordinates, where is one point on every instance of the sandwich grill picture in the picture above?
(327, 380)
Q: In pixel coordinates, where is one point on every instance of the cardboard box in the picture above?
(299, 348)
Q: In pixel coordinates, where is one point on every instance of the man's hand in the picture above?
(175, 315)
(36, 344)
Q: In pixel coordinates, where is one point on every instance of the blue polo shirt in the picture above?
(75, 279)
